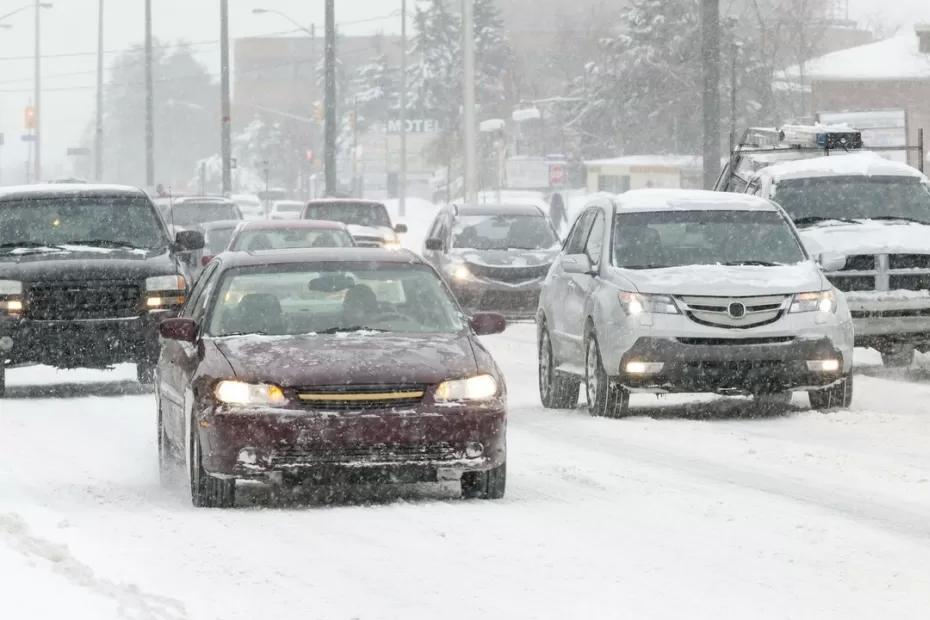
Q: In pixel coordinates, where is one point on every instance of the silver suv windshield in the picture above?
(659, 239)
(813, 200)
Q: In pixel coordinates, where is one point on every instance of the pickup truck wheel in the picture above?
(556, 391)
(605, 398)
(206, 490)
(900, 357)
(838, 396)
(489, 484)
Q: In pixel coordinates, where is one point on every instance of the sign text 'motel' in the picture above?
(415, 125)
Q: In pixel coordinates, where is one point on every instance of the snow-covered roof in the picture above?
(897, 58)
(689, 200)
(666, 161)
(855, 164)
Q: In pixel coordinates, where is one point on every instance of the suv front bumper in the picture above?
(890, 318)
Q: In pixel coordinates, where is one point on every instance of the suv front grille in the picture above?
(510, 275)
(716, 311)
(883, 272)
(65, 301)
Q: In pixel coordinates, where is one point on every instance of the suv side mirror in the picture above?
(577, 264)
(400, 229)
(183, 330)
(831, 262)
(434, 244)
(188, 241)
(487, 323)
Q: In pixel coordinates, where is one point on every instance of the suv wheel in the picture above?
(898, 357)
(556, 391)
(489, 484)
(206, 490)
(605, 398)
(838, 396)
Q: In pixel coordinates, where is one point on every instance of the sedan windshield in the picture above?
(854, 197)
(332, 298)
(360, 214)
(194, 213)
(657, 239)
(503, 232)
(80, 220)
(283, 238)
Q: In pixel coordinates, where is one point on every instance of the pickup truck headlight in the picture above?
(239, 393)
(481, 387)
(637, 303)
(163, 292)
(822, 301)
(11, 297)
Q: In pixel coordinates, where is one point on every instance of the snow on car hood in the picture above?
(508, 258)
(349, 358)
(728, 281)
(869, 237)
(381, 232)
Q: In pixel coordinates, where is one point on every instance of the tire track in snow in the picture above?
(132, 603)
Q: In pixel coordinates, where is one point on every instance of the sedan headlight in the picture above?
(163, 292)
(481, 387)
(823, 301)
(637, 303)
(239, 393)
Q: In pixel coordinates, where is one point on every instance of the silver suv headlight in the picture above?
(638, 303)
(821, 301)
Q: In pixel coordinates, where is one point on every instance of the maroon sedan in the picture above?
(329, 366)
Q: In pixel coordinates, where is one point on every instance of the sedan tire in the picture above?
(208, 491)
(605, 398)
(838, 396)
(489, 484)
(556, 391)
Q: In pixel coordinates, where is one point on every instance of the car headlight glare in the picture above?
(822, 301)
(11, 287)
(240, 393)
(481, 387)
(635, 304)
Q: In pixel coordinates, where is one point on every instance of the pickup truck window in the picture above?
(106, 222)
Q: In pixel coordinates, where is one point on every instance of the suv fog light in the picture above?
(474, 449)
(247, 456)
(644, 368)
(823, 365)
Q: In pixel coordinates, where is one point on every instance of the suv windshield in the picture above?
(80, 220)
(360, 214)
(503, 232)
(194, 213)
(854, 197)
(333, 297)
(657, 239)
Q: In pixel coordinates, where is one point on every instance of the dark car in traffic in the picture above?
(328, 367)
(192, 212)
(494, 257)
(86, 274)
(368, 221)
(288, 235)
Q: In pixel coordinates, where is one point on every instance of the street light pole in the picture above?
(98, 142)
(710, 48)
(329, 128)
(226, 140)
(37, 162)
(402, 181)
(468, 118)
(149, 101)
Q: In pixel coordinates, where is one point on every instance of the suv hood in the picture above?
(363, 358)
(86, 264)
(507, 258)
(736, 281)
(869, 237)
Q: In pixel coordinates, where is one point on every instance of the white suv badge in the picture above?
(736, 310)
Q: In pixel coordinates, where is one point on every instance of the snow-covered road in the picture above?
(693, 507)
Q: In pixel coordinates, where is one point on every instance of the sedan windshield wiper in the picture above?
(899, 218)
(644, 266)
(355, 328)
(817, 219)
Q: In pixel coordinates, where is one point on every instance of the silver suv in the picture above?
(664, 291)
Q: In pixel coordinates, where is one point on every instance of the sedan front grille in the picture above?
(356, 397)
(734, 312)
(64, 301)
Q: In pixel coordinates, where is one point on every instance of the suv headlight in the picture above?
(239, 393)
(163, 292)
(481, 387)
(11, 297)
(823, 301)
(637, 303)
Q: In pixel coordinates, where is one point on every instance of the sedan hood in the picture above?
(363, 358)
(736, 281)
(508, 258)
(86, 264)
(869, 237)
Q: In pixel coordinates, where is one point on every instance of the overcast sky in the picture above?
(70, 28)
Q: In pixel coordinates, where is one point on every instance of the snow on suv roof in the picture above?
(856, 164)
(689, 200)
(54, 190)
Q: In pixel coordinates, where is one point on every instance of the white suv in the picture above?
(688, 291)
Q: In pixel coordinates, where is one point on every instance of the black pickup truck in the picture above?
(87, 272)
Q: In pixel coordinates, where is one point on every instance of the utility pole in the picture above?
(468, 118)
(225, 139)
(402, 181)
(149, 101)
(710, 50)
(37, 161)
(329, 128)
(98, 141)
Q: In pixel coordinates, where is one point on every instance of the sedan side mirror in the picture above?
(577, 264)
(434, 244)
(400, 229)
(830, 262)
(487, 323)
(188, 241)
(182, 330)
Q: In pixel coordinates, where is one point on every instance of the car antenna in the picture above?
(171, 209)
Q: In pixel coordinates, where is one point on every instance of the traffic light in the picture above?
(30, 117)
